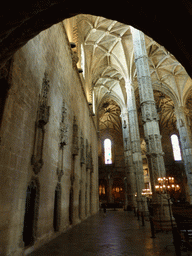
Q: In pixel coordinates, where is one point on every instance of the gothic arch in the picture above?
(187, 95)
(13, 36)
(167, 91)
(117, 100)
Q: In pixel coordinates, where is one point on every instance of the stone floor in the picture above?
(117, 233)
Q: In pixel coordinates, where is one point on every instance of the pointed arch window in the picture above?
(176, 147)
(83, 60)
(107, 151)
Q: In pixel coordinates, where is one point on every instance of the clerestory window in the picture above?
(83, 60)
(107, 151)
(176, 147)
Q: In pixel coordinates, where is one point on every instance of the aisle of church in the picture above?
(119, 233)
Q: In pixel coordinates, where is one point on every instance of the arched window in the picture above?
(176, 147)
(83, 60)
(107, 151)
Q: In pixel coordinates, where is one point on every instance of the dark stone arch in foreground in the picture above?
(165, 23)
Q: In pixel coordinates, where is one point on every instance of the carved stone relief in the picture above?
(75, 142)
(89, 159)
(82, 158)
(63, 140)
(75, 58)
(149, 112)
(63, 126)
(42, 120)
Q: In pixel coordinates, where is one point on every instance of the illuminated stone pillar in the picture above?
(129, 166)
(135, 144)
(151, 129)
(186, 145)
(148, 108)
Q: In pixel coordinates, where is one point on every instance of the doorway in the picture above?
(31, 211)
(57, 208)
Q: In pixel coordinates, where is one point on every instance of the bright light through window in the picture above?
(176, 147)
(107, 150)
(83, 60)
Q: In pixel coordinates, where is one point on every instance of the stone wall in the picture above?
(46, 56)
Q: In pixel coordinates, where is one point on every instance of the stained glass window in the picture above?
(176, 147)
(107, 150)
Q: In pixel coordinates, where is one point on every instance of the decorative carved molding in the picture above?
(63, 127)
(153, 144)
(43, 110)
(75, 58)
(72, 178)
(63, 140)
(82, 158)
(149, 112)
(42, 120)
(60, 173)
(136, 146)
(89, 159)
(75, 142)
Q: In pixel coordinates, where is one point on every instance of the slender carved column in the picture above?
(129, 166)
(151, 129)
(148, 108)
(186, 145)
(135, 143)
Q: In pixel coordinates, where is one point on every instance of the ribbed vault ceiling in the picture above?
(110, 62)
(109, 117)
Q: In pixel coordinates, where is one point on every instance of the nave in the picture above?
(117, 233)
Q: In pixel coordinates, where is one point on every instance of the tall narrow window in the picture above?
(93, 93)
(107, 151)
(83, 60)
(176, 147)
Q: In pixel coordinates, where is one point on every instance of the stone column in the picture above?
(126, 194)
(129, 166)
(186, 145)
(151, 130)
(135, 143)
(148, 108)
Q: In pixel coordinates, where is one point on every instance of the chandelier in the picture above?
(167, 185)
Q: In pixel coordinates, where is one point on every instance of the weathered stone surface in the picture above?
(18, 133)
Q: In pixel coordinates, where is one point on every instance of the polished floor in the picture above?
(117, 233)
